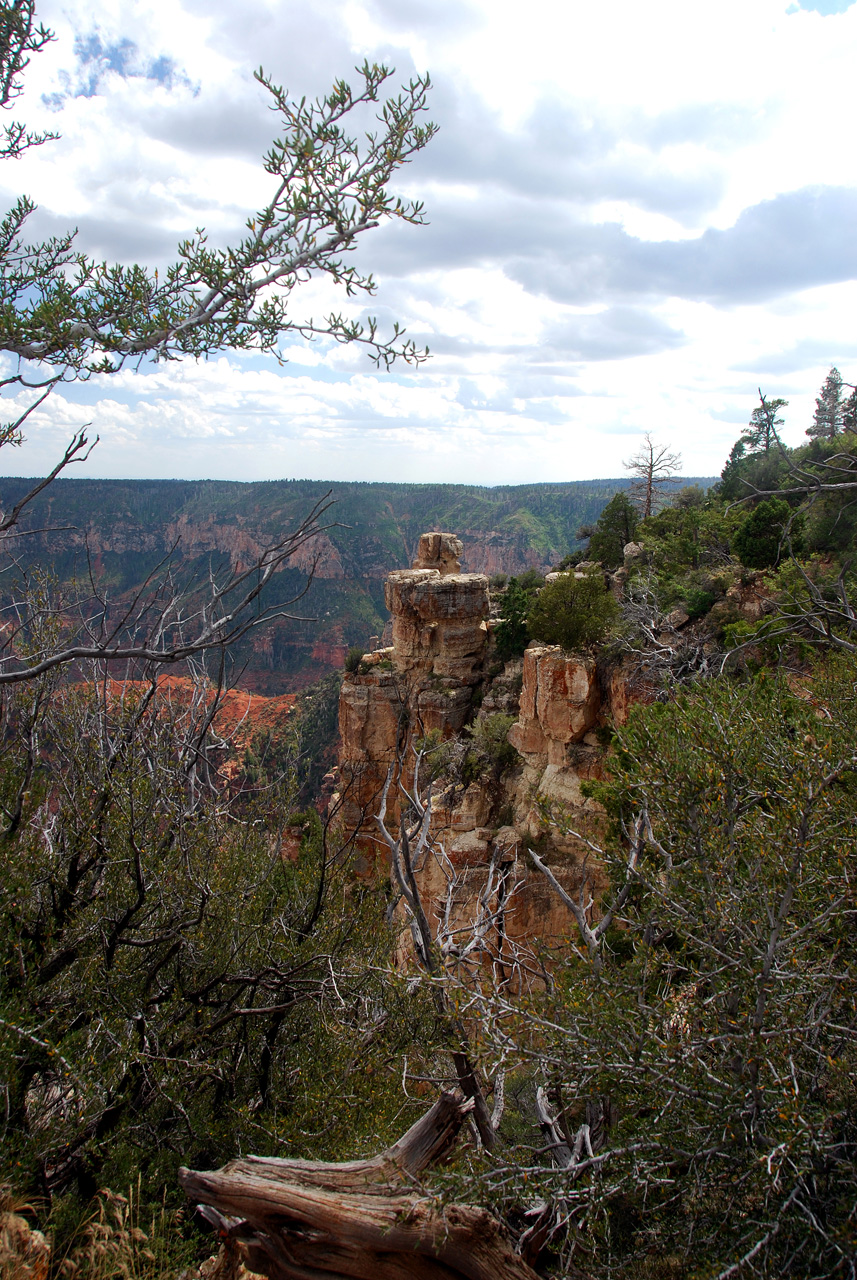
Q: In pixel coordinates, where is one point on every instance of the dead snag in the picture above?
(308, 1220)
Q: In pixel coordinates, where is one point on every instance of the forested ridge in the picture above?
(126, 529)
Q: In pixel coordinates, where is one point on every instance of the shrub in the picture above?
(761, 540)
(490, 738)
(512, 634)
(530, 580)
(166, 992)
(573, 611)
(353, 658)
(698, 602)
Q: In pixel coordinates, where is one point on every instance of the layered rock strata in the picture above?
(425, 682)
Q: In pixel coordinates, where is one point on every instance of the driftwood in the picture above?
(307, 1220)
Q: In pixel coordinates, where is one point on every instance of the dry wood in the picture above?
(308, 1220)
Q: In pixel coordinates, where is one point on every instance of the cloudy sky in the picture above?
(638, 215)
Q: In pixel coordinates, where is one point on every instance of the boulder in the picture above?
(633, 553)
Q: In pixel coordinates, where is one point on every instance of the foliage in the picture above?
(573, 611)
(827, 419)
(707, 1040)
(175, 988)
(353, 658)
(614, 529)
(481, 754)
(762, 433)
(490, 753)
(66, 317)
(849, 412)
(763, 537)
(512, 634)
(65, 311)
(815, 609)
(691, 535)
(19, 37)
(530, 580)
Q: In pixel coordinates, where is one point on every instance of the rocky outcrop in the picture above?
(560, 703)
(441, 551)
(425, 682)
(439, 625)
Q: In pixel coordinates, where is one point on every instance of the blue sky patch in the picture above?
(827, 8)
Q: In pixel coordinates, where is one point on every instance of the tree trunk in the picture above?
(307, 1220)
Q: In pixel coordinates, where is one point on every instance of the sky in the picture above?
(638, 215)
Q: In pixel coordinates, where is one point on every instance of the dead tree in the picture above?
(444, 950)
(306, 1220)
(654, 468)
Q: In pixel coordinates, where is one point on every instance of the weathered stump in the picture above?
(359, 1220)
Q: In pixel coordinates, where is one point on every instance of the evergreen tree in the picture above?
(764, 536)
(762, 431)
(512, 633)
(573, 611)
(615, 527)
(827, 421)
(849, 412)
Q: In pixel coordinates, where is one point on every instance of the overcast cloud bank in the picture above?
(638, 215)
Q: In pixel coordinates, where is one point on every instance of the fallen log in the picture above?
(358, 1220)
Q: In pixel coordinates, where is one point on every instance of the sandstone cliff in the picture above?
(440, 677)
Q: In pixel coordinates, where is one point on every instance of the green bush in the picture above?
(166, 954)
(573, 612)
(490, 738)
(761, 540)
(698, 602)
(721, 1017)
(353, 658)
(512, 635)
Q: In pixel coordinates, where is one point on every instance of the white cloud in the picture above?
(638, 213)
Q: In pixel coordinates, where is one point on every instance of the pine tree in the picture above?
(827, 421)
(762, 431)
(849, 413)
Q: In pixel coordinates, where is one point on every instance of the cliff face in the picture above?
(439, 676)
(425, 679)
